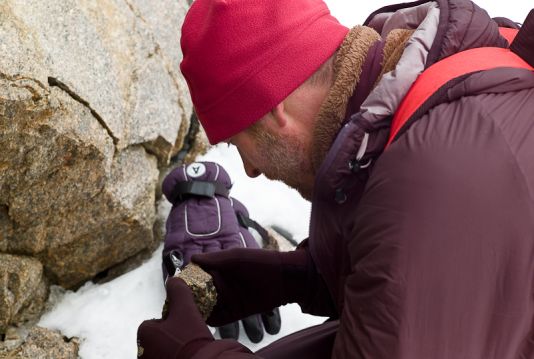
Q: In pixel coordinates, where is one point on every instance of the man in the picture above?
(423, 249)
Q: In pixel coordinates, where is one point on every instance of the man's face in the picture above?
(279, 156)
(279, 145)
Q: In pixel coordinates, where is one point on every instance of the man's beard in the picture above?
(286, 160)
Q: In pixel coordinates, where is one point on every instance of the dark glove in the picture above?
(254, 326)
(252, 281)
(180, 334)
(173, 261)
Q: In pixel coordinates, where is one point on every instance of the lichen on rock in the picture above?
(39, 343)
(23, 290)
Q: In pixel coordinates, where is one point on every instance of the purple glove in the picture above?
(202, 218)
(180, 334)
(205, 219)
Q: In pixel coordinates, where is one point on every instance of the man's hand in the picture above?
(250, 281)
(180, 334)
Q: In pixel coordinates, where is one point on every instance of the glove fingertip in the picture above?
(253, 328)
(148, 325)
(177, 292)
(272, 322)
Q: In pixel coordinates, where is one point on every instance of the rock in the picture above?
(118, 222)
(40, 343)
(73, 200)
(55, 157)
(201, 284)
(23, 291)
(13, 338)
(6, 228)
(163, 208)
(279, 240)
(121, 57)
(92, 107)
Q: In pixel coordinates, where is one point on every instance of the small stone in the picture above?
(271, 242)
(12, 339)
(277, 241)
(201, 284)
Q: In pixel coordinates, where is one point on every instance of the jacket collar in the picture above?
(360, 62)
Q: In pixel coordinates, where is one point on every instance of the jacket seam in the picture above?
(509, 147)
(472, 11)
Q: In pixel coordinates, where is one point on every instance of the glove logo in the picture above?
(196, 169)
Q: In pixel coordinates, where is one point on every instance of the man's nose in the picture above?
(250, 169)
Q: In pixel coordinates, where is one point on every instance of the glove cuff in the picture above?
(295, 272)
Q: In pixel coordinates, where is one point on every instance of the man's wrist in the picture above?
(295, 267)
(191, 348)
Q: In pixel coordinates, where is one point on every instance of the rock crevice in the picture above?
(52, 81)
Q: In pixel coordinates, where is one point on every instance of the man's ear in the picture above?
(279, 115)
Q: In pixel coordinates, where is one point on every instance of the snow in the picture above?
(106, 316)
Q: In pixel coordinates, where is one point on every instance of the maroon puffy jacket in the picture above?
(427, 248)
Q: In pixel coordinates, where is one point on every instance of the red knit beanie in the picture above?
(243, 57)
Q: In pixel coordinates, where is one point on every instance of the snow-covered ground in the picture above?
(106, 316)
